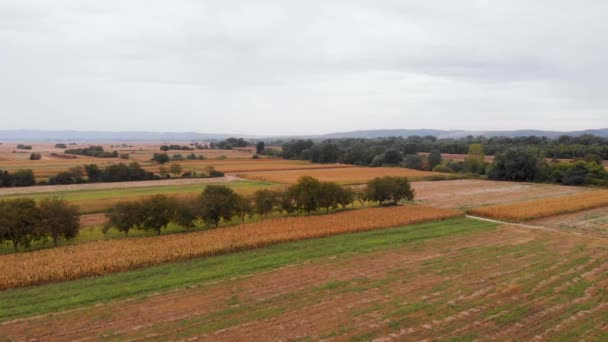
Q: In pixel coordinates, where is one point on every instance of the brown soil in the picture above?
(507, 284)
(467, 193)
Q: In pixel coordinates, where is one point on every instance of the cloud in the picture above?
(288, 67)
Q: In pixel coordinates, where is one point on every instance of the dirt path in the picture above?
(493, 284)
(116, 185)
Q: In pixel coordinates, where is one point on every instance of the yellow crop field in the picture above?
(353, 175)
(103, 257)
(529, 210)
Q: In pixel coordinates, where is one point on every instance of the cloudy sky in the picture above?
(303, 67)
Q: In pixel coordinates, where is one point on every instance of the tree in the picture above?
(160, 158)
(345, 196)
(264, 201)
(24, 178)
(515, 164)
(434, 158)
(175, 169)
(475, 162)
(328, 195)
(243, 207)
(306, 193)
(155, 213)
(59, 219)
(259, 148)
(94, 174)
(186, 212)
(392, 157)
(19, 222)
(389, 189)
(217, 202)
(123, 216)
(35, 156)
(413, 161)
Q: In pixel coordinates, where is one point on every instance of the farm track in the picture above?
(511, 283)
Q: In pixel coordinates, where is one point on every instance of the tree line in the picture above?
(371, 152)
(24, 220)
(219, 203)
(92, 173)
(92, 151)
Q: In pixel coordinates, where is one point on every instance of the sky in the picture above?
(303, 67)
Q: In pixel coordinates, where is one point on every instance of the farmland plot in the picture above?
(469, 193)
(590, 222)
(485, 283)
(535, 209)
(352, 175)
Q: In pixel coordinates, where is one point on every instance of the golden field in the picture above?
(529, 210)
(103, 257)
(352, 175)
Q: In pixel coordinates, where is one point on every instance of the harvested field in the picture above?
(469, 193)
(519, 285)
(103, 257)
(529, 210)
(352, 175)
(590, 222)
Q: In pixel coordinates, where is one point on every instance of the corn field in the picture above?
(104, 257)
(529, 210)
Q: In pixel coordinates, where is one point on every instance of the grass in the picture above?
(39, 300)
(99, 200)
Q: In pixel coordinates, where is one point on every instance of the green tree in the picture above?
(389, 190)
(155, 213)
(19, 222)
(515, 164)
(175, 169)
(186, 212)
(59, 219)
(217, 202)
(24, 178)
(434, 158)
(160, 158)
(243, 207)
(265, 201)
(475, 162)
(123, 216)
(259, 148)
(306, 193)
(413, 161)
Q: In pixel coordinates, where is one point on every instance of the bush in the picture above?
(35, 156)
(61, 146)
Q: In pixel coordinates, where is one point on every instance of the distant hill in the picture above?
(458, 133)
(92, 136)
(40, 135)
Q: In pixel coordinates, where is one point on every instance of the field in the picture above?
(103, 257)
(341, 276)
(228, 161)
(96, 198)
(528, 210)
(464, 194)
(353, 175)
(589, 222)
(393, 284)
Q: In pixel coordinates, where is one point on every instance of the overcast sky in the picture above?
(303, 67)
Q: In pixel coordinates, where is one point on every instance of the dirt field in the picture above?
(505, 284)
(468, 193)
(591, 222)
